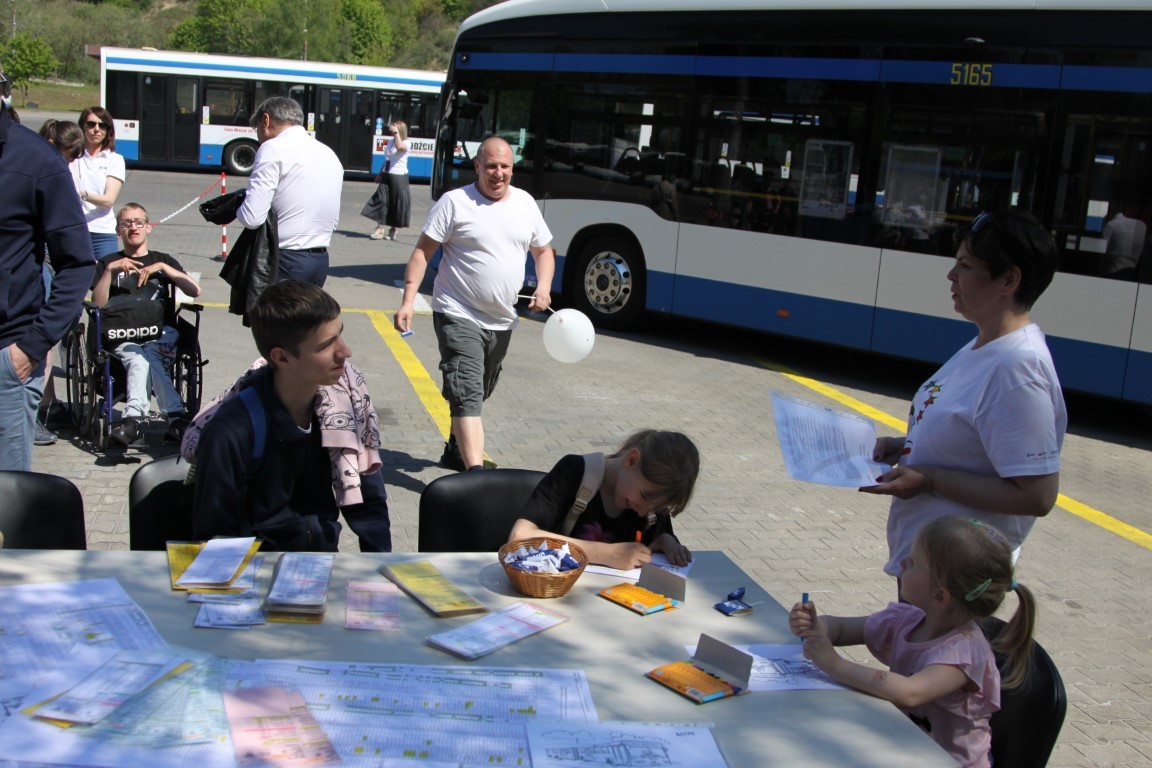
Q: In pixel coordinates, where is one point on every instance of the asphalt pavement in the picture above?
(1089, 572)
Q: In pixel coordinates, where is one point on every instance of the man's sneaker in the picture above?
(451, 458)
(43, 436)
(127, 431)
(177, 426)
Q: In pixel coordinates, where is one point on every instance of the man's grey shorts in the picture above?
(470, 360)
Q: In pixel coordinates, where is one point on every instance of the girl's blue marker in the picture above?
(804, 599)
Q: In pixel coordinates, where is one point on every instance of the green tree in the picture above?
(224, 26)
(368, 33)
(26, 57)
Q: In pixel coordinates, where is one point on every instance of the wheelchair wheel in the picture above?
(76, 375)
(187, 378)
(188, 367)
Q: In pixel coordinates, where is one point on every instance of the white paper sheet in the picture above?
(782, 667)
(825, 446)
(41, 622)
(561, 745)
(658, 559)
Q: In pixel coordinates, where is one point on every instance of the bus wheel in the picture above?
(240, 157)
(609, 282)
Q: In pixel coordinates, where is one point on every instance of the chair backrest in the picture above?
(41, 511)
(473, 511)
(155, 514)
(1024, 731)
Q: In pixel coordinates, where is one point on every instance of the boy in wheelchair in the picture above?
(138, 282)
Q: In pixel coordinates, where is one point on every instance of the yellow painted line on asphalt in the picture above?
(1067, 503)
(425, 387)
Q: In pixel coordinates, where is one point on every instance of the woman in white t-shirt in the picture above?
(985, 431)
(391, 205)
(101, 172)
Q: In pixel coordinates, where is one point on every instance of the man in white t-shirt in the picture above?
(299, 178)
(485, 231)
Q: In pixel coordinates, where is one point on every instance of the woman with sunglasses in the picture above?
(101, 171)
(985, 431)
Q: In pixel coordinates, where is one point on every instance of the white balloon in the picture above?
(568, 335)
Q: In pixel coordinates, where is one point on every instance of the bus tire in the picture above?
(609, 282)
(239, 157)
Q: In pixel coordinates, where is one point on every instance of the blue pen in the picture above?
(804, 599)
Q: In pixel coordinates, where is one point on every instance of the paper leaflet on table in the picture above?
(563, 745)
(659, 559)
(272, 726)
(243, 587)
(372, 605)
(825, 446)
(40, 623)
(657, 590)
(715, 671)
(496, 630)
(93, 682)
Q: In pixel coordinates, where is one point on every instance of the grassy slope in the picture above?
(60, 98)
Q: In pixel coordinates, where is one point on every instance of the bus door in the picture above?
(330, 119)
(170, 118)
(361, 129)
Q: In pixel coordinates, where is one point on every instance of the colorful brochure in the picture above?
(432, 589)
(716, 671)
(657, 590)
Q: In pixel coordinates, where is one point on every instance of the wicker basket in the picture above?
(535, 583)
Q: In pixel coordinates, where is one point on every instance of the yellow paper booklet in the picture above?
(716, 671)
(432, 589)
(657, 590)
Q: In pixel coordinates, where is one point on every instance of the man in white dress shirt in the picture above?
(300, 179)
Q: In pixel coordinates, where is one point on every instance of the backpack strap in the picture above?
(589, 487)
(259, 426)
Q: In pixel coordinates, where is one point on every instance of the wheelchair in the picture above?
(97, 381)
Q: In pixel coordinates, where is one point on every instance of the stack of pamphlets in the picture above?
(299, 590)
(212, 566)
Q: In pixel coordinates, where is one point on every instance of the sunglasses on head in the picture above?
(95, 124)
(982, 221)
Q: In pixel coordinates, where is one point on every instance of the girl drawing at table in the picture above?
(943, 672)
(644, 484)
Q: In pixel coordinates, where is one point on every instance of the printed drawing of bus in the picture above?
(626, 752)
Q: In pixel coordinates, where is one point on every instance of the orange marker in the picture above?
(639, 536)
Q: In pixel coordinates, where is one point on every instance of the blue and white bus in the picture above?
(173, 107)
(799, 166)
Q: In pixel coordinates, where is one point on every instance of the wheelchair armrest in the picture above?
(190, 307)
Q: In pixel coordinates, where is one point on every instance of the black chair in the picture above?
(1024, 731)
(41, 511)
(473, 511)
(157, 513)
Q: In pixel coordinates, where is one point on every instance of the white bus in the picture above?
(172, 107)
(799, 166)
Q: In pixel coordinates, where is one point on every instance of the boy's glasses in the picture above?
(96, 124)
(134, 224)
